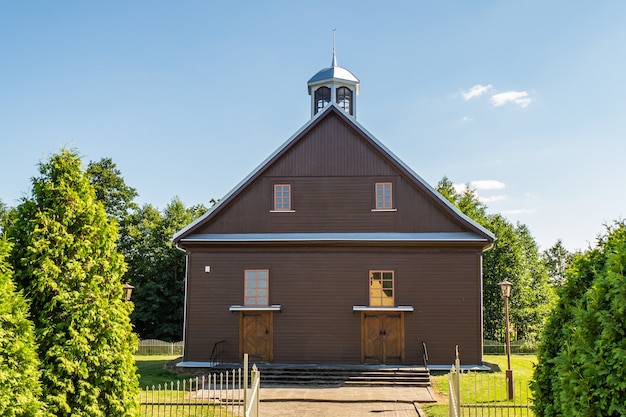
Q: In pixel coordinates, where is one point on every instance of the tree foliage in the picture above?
(578, 278)
(157, 268)
(582, 357)
(557, 258)
(19, 365)
(111, 189)
(6, 217)
(67, 264)
(514, 257)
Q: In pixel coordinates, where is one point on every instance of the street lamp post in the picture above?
(505, 287)
(128, 291)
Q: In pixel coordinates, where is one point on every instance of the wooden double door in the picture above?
(382, 337)
(256, 335)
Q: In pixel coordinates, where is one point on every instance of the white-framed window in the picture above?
(322, 97)
(256, 287)
(282, 197)
(344, 99)
(384, 195)
(381, 289)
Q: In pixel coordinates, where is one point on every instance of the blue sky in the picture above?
(525, 101)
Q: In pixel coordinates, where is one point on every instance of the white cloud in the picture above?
(521, 98)
(467, 119)
(460, 187)
(475, 91)
(487, 185)
(494, 198)
(520, 211)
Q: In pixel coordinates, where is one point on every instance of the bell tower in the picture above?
(333, 84)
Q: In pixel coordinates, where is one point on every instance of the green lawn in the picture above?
(151, 372)
(479, 391)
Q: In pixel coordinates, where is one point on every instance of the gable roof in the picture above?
(333, 108)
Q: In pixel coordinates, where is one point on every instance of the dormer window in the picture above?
(322, 97)
(344, 99)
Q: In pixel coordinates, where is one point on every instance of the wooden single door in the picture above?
(256, 335)
(382, 337)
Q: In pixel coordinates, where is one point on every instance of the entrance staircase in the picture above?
(344, 375)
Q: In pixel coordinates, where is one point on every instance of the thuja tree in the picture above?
(66, 261)
(591, 364)
(547, 384)
(19, 364)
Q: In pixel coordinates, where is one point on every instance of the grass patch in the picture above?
(160, 403)
(480, 391)
(151, 370)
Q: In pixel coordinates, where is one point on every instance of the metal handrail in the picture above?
(217, 354)
(425, 354)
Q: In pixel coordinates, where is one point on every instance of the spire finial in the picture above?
(334, 64)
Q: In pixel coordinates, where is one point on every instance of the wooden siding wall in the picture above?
(317, 288)
(332, 171)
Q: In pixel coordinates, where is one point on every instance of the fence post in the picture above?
(453, 377)
(454, 386)
(245, 379)
(457, 388)
(257, 386)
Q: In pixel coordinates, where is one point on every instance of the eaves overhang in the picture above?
(340, 239)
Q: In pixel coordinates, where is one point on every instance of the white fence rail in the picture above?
(518, 347)
(159, 347)
(224, 394)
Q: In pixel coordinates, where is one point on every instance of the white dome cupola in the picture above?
(333, 84)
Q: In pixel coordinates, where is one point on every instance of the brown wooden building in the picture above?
(333, 251)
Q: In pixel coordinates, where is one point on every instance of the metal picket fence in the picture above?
(479, 394)
(225, 394)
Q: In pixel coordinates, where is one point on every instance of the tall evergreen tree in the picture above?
(546, 384)
(19, 365)
(66, 261)
(591, 364)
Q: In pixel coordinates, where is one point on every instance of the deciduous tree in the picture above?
(557, 258)
(111, 189)
(157, 268)
(513, 257)
(7, 214)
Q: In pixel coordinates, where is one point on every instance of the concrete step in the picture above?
(352, 375)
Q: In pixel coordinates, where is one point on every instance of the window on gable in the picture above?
(384, 195)
(282, 197)
(256, 289)
(322, 96)
(381, 289)
(344, 99)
